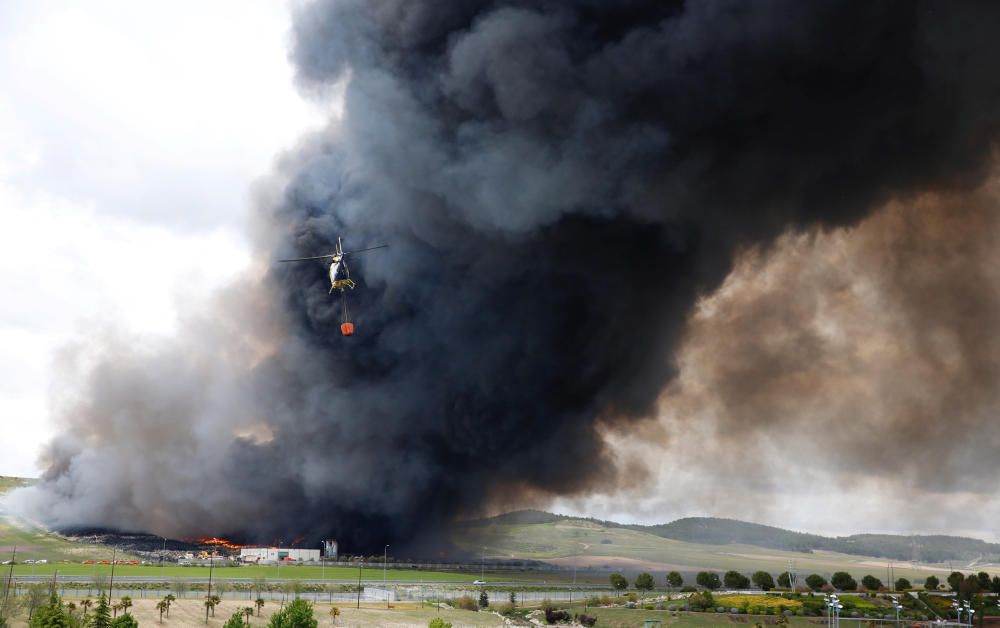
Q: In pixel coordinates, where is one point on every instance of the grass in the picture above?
(773, 602)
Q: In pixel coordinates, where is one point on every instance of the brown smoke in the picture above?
(859, 362)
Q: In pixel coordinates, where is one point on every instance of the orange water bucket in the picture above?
(347, 329)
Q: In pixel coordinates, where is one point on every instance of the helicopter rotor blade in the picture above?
(371, 248)
(302, 259)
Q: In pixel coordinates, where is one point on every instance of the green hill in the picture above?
(540, 530)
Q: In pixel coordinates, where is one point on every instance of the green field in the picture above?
(586, 543)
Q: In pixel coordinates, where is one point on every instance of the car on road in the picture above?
(41, 562)
(7, 562)
(29, 562)
(478, 582)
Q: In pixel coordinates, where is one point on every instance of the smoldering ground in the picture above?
(559, 183)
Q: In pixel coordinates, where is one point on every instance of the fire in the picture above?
(217, 542)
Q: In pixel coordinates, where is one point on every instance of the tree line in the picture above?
(839, 581)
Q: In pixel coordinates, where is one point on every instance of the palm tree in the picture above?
(248, 611)
(126, 603)
(162, 606)
(86, 604)
(169, 599)
(334, 612)
(115, 608)
(259, 604)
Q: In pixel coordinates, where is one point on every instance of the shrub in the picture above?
(466, 603)
(553, 616)
(437, 622)
(298, 614)
(701, 601)
(586, 620)
(506, 609)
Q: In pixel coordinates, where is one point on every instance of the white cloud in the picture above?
(132, 135)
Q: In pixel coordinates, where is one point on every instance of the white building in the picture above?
(261, 554)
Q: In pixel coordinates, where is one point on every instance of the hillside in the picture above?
(709, 543)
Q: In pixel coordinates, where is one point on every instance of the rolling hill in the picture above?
(719, 544)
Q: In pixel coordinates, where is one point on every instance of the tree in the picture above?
(815, 581)
(735, 580)
(38, 595)
(843, 581)
(334, 612)
(618, 582)
(955, 580)
(763, 580)
(644, 582)
(169, 599)
(235, 621)
(125, 621)
(259, 603)
(484, 600)
(969, 587)
(931, 583)
(85, 605)
(785, 580)
(51, 615)
(871, 583)
(983, 579)
(102, 614)
(298, 614)
(248, 612)
(162, 607)
(513, 599)
(126, 603)
(902, 584)
(708, 579)
(674, 579)
(995, 584)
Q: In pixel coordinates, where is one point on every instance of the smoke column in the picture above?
(559, 182)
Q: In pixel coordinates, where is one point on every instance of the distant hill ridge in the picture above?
(718, 531)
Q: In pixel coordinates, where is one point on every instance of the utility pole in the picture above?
(111, 584)
(361, 563)
(10, 578)
(385, 559)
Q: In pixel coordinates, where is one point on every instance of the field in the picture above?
(589, 545)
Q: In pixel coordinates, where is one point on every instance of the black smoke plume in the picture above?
(558, 182)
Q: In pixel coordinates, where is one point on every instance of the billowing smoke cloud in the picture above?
(841, 381)
(558, 182)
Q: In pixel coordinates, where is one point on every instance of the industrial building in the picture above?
(263, 554)
(330, 549)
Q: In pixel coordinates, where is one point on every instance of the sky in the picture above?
(132, 139)
(835, 368)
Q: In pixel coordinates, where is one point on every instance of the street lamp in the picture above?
(958, 610)
(385, 559)
(896, 605)
(833, 606)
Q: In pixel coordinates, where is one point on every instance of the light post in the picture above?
(968, 610)
(385, 559)
(896, 605)
(958, 610)
(833, 607)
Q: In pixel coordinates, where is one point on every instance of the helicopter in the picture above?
(338, 263)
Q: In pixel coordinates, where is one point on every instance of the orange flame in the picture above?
(217, 542)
